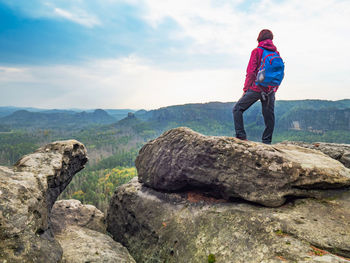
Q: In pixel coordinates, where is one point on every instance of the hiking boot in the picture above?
(242, 139)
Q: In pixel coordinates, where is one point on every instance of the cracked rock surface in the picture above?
(28, 191)
(228, 168)
(176, 227)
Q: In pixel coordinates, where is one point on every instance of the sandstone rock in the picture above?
(230, 168)
(67, 213)
(340, 152)
(167, 227)
(84, 245)
(27, 193)
(80, 230)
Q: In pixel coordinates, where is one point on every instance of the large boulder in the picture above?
(189, 227)
(81, 231)
(228, 168)
(28, 191)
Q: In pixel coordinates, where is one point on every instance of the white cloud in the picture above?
(312, 36)
(214, 28)
(132, 82)
(10, 70)
(227, 27)
(81, 17)
(117, 83)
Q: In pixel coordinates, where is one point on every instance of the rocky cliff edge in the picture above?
(28, 191)
(33, 228)
(217, 199)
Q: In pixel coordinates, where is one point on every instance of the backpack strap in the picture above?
(262, 54)
(268, 56)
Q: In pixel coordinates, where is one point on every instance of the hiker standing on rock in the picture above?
(265, 72)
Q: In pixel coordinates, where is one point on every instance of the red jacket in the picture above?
(254, 64)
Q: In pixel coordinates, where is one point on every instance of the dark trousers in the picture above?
(268, 111)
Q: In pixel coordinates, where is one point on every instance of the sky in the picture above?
(146, 54)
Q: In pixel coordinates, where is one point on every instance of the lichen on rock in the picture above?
(166, 227)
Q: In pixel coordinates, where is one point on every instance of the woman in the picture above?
(253, 92)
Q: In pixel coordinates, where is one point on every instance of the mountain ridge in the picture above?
(25, 118)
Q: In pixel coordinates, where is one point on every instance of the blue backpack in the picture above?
(271, 70)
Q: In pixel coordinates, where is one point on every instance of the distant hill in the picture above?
(55, 119)
(306, 120)
(325, 119)
(117, 114)
(219, 112)
(293, 118)
(59, 111)
(5, 111)
(213, 118)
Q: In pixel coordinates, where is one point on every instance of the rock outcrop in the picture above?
(33, 228)
(28, 191)
(81, 231)
(199, 199)
(226, 167)
(188, 227)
